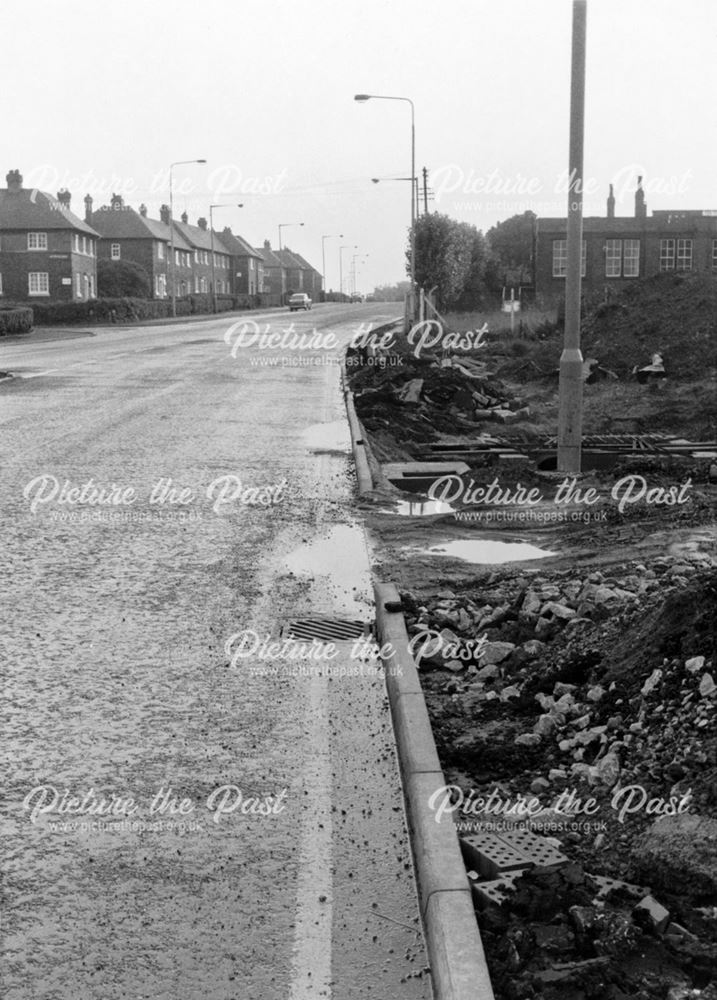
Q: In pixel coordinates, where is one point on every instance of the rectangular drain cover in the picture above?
(326, 629)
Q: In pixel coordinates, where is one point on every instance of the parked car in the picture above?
(300, 300)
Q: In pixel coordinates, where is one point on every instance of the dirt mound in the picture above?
(674, 315)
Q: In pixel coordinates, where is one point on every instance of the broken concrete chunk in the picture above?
(695, 664)
(707, 686)
(652, 913)
(651, 683)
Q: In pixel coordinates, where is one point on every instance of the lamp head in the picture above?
(362, 97)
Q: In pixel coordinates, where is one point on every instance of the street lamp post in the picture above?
(284, 225)
(341, 265)
(382, 97)
(339, 236)
(354, 258)
(211, 239)
(177, 163)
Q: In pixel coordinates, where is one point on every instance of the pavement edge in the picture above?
(458, 966)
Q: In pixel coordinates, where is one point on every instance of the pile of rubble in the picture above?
(562, 689)
(427, 396)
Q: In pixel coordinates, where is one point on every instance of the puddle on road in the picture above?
(336, 553)
(331, 437)
(489, 552)
(411, 508)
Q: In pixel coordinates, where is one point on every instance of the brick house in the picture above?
(273, 292)
(247, 266)
(46, 252)
(293, 270)
(128, 234)
(200, 240)
(617, 250)
(311, 278)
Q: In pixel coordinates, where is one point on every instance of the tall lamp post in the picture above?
(338, 236)
(354, 258)
(341, 265)
(211, 238)
(570, 392)
(382, 97)
(177, 163)
(284, 226)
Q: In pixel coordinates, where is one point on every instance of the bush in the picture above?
(15, 320)
(117, 278)
(130, 310)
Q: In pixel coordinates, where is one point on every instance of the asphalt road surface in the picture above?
(188, 812)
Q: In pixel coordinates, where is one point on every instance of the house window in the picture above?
(91, 289)
(714, 255)
(560, 258)
(176, 258)
(613, 258)
(251, 264)
(38, 283)
(37, 241)
(84, 244)
(684, 255)
(115, 251)
(631, 258)
(667, 255)
(160, 251)
(0, 284)
(91, 247)
(78, 285)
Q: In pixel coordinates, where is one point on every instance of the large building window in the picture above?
(160, 251)
(613, 258)
(684, 255)
(78, 285)
(38, 283)
(667, 255)
(631, 258)
(37, 241)
(115, 251)
(560, 258)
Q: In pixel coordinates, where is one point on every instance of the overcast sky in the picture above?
(101, 98)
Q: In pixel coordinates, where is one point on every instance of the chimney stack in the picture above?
(640, 206)
(88, 208)
(611, 204)
(202, 223)
(164, 214)
(143, 210)
(64, 197)
(14, 181)
(117, 202)
(267, 245)
(185, 218)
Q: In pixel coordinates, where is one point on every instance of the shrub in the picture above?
(116, 278)
(17, 319)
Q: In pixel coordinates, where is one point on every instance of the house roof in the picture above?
(31, 209)
(304, 263)
(201, 239)
(237, 245)
(126, 223)
(289, 259)
(269, 257)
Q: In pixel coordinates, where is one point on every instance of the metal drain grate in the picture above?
(326, 629)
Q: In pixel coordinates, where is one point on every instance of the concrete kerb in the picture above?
(455, 949)
(368, 470)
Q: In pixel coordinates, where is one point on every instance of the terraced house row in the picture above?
(49, 253)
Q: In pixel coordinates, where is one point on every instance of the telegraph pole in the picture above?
(570, 416)
(425, 191)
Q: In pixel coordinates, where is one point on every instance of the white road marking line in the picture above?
(311, 972)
